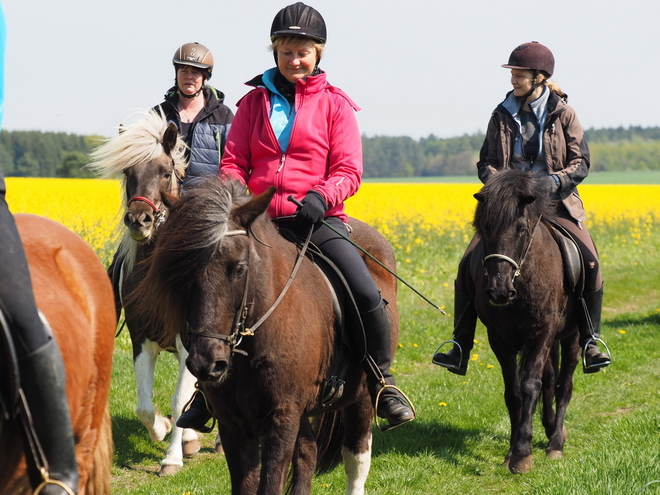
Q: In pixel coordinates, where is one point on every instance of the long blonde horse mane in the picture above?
(136, 143)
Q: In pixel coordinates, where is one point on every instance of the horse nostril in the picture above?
(220, 367)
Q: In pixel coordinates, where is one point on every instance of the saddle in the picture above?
(571, 257)
(353, 347)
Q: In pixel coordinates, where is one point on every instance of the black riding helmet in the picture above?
(299, 19)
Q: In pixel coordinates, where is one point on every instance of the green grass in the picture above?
(458, 442)
(631, 177)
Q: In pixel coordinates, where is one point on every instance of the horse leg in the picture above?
(548, 416)
(242, 457)
(144, 366)
(532, 373)
(512, 394)
(277, 450)
(184, 441)
(304, 459)
(356, 449)
(570, 352)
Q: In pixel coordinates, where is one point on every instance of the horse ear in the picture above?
(245, 214)
(169, 138)
(479, 196)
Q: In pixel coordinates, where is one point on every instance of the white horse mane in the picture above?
(136, 143)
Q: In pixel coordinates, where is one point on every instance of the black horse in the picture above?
(528, 306)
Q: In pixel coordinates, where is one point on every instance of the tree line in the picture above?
(52, 154)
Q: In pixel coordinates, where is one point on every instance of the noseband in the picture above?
(239, 330)
(159, 214)
(517, 266)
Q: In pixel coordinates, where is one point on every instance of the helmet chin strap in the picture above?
(534, 86)
(190, 97)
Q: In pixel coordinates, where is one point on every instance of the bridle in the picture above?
(159, 213)
(239, 329)
(517, 265)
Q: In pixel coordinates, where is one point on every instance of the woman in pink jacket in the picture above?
(298, 133)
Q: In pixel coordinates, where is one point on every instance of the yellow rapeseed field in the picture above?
(412, 211)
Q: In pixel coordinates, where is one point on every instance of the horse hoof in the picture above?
(564, 433)
(218, 447)
(520, 465)
(555, 454)
(191, 448)
(169, 469)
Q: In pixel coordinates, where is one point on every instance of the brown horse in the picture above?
(221, 265)
(72, 290)
(149, 155)
(529, 309)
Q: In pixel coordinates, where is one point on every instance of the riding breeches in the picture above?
(345, 256)
(16, 297)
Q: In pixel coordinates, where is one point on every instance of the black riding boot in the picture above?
(197, 415)
(465, 322)
(43, 381)
(391, 405)
(592, 358)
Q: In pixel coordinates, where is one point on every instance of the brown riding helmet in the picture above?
(532, 56)
(194, 55)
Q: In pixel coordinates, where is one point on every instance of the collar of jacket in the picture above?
(212, 96)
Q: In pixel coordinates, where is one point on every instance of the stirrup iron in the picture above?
(451, 366)
(584, 354)
(388, 427)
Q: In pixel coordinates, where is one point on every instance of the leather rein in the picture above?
(238, 329)
(517, 265)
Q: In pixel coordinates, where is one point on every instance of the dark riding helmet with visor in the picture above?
(301, 20)
(535, 57)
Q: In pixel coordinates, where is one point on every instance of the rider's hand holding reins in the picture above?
(311, 209)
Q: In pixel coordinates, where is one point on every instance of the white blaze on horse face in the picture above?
(357, 468)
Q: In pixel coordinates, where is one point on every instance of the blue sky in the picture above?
(416, 68)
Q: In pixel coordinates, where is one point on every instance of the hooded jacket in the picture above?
(207, 135)
(565, 148)
(324, 152)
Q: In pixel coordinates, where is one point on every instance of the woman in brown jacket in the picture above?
(534, 129)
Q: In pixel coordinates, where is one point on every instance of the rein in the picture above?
(517, 266)
(239, 329)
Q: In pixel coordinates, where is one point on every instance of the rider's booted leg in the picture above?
(465, 322)
(197, 415)
(589, 324)
(44, 385)
(391, 404)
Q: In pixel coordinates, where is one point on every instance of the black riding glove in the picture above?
(312, 210)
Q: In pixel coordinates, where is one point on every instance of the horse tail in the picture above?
(98, 482)
(329, 428)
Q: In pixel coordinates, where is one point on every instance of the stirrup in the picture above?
(594, 368)
(388, 427)
(202, 428)
(47, 480)
(451, 366)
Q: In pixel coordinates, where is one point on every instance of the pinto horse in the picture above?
(530, 311)
(72, 291)
(149, 154)
(222, 266)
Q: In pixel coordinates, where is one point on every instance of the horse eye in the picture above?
(168, 175)
(240, 270)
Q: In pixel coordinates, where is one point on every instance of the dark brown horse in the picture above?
(149, 156)
(73, 292)
(528, 307)
(220, 265)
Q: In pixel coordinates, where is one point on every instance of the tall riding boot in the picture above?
(589, 324)
(197, 415)
(391, 404)
(43, 381)
(465, 323)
